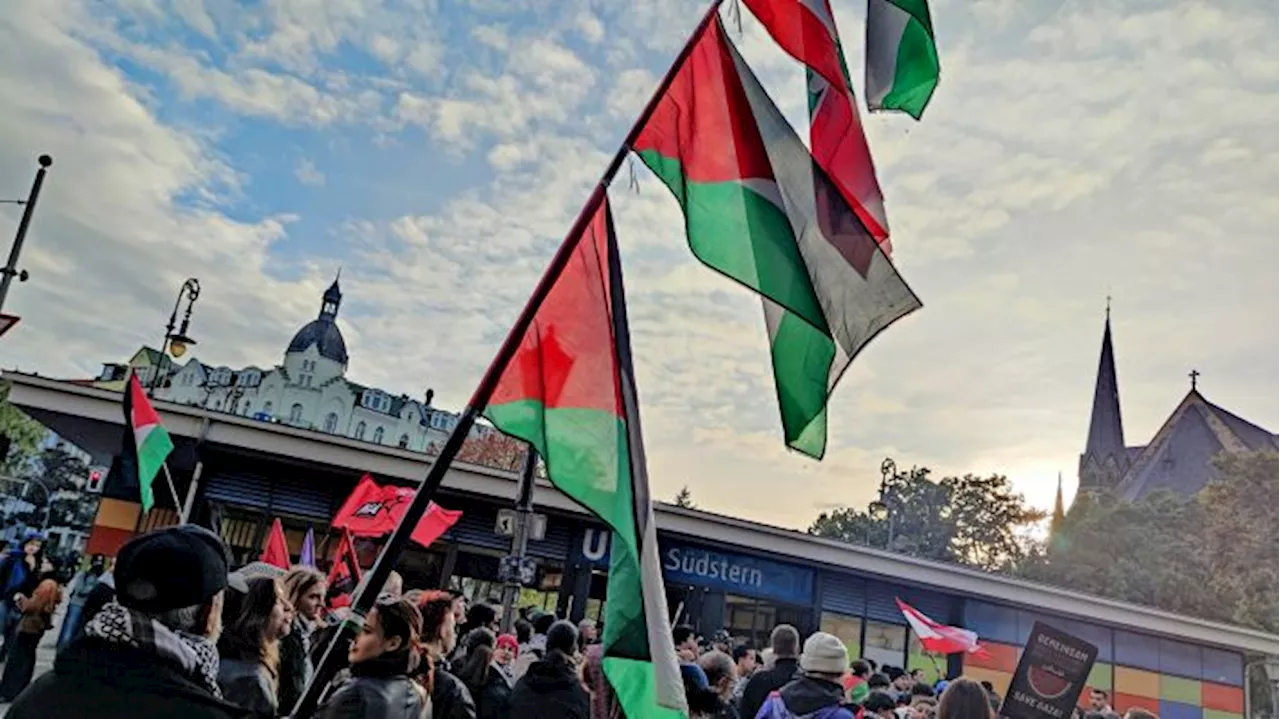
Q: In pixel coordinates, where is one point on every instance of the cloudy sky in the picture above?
(437, 152)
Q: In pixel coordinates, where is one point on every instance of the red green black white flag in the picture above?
(146, 442)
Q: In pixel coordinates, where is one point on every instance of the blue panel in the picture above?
(1222, 666)
(1137, 650)
(475, 529)
(844, 594)
(991, 621)
(882, 604)
(1178, 710)
(1180, 659)
(294, 497)
(736, 573)
(243, 490)
(556, 544)
(1098, 636)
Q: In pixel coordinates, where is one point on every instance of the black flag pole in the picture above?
(335, 653)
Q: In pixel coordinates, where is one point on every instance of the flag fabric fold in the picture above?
(902, 56)
(569, 391)
(374, 510)
(308, 555)
(806, 30)
(344, 574)
(761, 211)
(276, 552)
(146, 444)
(936, 637)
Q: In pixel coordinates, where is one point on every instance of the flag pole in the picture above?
(177, 502)
(335, 653)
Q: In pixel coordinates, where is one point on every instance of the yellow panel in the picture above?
(1137, 682)
(118, 514)
(999, 680)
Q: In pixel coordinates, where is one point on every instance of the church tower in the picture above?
(1105, 459)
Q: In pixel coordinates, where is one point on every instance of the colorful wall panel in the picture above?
(1222, 698)
(1179, 710)
(999, 680)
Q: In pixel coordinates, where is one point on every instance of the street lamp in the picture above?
(10, 269)
(176, 343)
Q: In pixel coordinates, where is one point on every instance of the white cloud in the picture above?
(308, 175)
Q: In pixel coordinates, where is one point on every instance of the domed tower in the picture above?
(318, 352)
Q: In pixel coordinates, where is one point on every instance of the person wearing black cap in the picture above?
(151, 653)
(551, 687)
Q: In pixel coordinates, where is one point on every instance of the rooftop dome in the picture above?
(323, 331)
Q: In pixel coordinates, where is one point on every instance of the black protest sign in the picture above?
(1050, 676)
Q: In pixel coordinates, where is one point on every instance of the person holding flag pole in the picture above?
(146, 446)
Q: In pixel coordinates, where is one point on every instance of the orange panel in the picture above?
(1001, 657)
(107, 540)
(1221, 697)
(1122, 702)
(118, 514)
(999, 680)
(1138, 683)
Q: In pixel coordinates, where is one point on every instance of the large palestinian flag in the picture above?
(570, 392)
(760, 210)
(146, 442)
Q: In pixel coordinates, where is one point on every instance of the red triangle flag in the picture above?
(344, 575)
(374, 510)
(277, 550)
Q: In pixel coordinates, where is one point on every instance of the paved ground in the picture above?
(44, 654)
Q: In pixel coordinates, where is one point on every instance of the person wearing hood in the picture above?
(551, 687)
(19, 576)
(382, 658)
(81, 586)
(818, 691)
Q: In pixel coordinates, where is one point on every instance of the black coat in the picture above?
(396, 697)
(764, 682)
(95, 678)
(450, 698)
(493, 697)
(550, 688)
(295, 667)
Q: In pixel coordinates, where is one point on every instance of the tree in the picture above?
(977, 521)
(24, 435)
(684, 498)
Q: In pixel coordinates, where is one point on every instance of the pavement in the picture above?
(45, 652)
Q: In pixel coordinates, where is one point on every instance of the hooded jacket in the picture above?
(550, 688)
(807, 698)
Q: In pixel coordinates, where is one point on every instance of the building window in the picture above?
(404, 441)
(377, 435)
(295, 413)
(246, 406)
(360, 431)
(331, 423)
(848, 629)
(886, 643)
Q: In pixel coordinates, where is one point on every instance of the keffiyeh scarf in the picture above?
(196, 656)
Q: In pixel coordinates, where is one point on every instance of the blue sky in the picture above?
(437, 151)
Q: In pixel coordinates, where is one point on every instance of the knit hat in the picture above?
(509, 641)
(824, 654)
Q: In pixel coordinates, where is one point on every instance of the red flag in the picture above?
(277, 550)
(374, 510)
(939, 638)
(344, 575)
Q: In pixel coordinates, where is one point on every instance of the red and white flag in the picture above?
(939, 638)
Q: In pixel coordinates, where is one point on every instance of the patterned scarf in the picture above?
(196, 656)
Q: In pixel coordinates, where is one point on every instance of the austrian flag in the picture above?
(939, 638)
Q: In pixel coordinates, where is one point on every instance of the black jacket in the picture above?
(377, 690)
(95, 678)
(550, 688)
(295, 666)
(764, 682)
(493, 697)
(450, 698)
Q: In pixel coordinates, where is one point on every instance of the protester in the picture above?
(744, 659)
(150, 653)
(1099, 702)
(823, 663)
(37, 618)
(921, 690)
(304, 588)
(78, 590)
(994, 699)
(588, 634)
(965, 699)
(687, 650)
(393, 587)
(722, 675)
(479, 616)
(505, 652)
(19, 576)
(785, 645)
(249, 673)
(880, 683)
(488, 684)
(551, 687)
(383, 656)
(879, 704)
(459, 607)
(900, 680)
(856, 686)
(450, 698)
(604, 702)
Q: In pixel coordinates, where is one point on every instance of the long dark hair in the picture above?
(964, 699)
(474, 671)
(244, 636)
(397, 618)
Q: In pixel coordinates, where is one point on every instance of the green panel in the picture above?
(1100, 676)
(1215, 714)
(1178, 689)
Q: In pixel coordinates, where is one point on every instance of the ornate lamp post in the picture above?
(176, 343)
(10, 269)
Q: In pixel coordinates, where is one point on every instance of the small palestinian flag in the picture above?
(145, 441)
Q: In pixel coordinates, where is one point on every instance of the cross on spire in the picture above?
(1193, 374)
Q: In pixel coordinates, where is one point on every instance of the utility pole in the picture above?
(520, 538)
(29, 207)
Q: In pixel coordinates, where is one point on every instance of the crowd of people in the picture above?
(171, 631)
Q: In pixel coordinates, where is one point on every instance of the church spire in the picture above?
(331, 300)
(1059, 510)
(1104, 459)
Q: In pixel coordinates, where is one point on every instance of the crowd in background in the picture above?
(170, 631)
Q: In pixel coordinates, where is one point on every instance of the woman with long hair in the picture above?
(450, 698)
(249, 670)
(488, 684)
(19, 577)
(964, 699)
(304, 588)
(383, 657)
(37, 618)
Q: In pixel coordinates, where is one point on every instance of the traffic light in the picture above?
(96, 475)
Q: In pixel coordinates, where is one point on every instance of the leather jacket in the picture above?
(378, 689)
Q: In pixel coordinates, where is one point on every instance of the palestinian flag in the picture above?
(806, 30)
(146, 444)
(570, 392)
(902, 57)
(758, 209)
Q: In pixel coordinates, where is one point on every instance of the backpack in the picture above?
(774, 708)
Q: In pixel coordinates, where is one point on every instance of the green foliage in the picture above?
(23, 432)
(684, 498)
(977, 521)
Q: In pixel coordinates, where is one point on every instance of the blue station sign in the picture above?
(701, 566)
